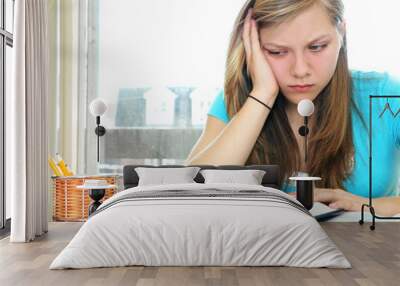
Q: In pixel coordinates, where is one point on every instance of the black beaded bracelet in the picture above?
(260, 102)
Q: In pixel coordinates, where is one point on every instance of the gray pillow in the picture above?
(163, 176)
(249, 177)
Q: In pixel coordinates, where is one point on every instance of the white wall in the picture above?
(373, 34)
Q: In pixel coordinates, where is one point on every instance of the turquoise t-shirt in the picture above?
(385, 137)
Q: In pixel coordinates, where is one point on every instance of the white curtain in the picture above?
(26, 118)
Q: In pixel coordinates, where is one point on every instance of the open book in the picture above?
(322, 212)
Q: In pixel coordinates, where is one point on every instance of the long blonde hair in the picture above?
(331, 149)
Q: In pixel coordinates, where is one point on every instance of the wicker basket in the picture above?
(70, 203)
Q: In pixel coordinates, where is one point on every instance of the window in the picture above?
(158, 65)
(6, 43)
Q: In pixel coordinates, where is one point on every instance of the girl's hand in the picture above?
(338, 199)
(265, 86)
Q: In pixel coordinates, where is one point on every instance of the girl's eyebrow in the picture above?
(282, 46)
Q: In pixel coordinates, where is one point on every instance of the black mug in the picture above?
(305, 193)
(305, 190)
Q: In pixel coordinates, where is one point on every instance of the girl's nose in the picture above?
(300, 67)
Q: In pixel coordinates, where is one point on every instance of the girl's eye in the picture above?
(314, 48)
(275, 53)
(317, 48)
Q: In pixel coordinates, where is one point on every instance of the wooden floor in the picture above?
(374, 255)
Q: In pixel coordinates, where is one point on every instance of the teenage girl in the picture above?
(280, 53)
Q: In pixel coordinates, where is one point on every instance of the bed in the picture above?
(200, 223)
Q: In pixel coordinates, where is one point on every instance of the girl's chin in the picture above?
(297, 97)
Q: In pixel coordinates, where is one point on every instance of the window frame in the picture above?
(6, 39)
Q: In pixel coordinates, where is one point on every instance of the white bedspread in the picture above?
(181, 231)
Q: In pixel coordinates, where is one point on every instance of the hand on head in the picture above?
(258, 68)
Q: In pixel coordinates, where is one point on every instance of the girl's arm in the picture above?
(236, 140)
(337, 198)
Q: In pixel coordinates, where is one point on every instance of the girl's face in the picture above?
(303, 51)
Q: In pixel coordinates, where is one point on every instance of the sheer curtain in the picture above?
(26, 118)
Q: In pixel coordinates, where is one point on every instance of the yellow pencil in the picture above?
(61, 164)
(54, 167)
(69, 170)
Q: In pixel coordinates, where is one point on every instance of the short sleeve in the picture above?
(218, 108)
(391, 87)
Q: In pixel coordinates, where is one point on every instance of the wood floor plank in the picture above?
(374, 255)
